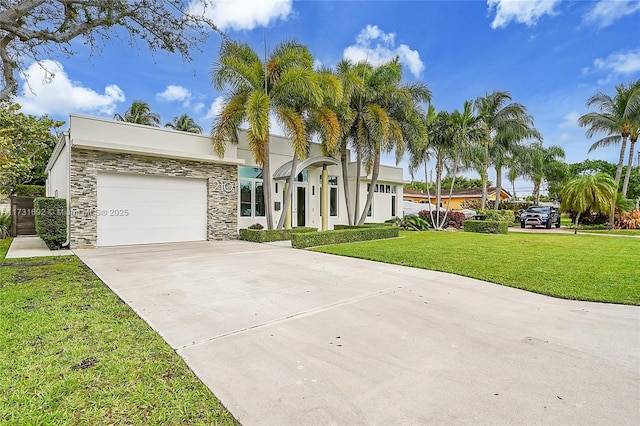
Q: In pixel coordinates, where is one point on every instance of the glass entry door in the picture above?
(299, 206)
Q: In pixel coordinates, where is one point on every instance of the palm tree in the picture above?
(503, 121)
(590, 192)
(256, 89)
(314, 108)
(385, 116)
(504, 147)
(633, 138)
(516, 164)
(538, 162)
(184, 123)
(140, 113)
(616, 117)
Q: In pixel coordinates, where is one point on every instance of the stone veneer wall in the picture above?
(222, 206)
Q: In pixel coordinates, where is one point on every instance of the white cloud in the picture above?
(606, 12)
(615, 65)
(570, 120)
(47, 89)
(198, 107)
(215, 108)
(523, 12)
(174, 93)
(377, 47)
(242, 14)
(620, 62)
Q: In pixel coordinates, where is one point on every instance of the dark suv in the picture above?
(540, 216)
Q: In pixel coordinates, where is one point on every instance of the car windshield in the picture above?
(538, 210)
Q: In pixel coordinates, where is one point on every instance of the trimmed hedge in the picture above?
(30, 191)
(51, 221)
(363, 226)
(313, 239)
(486, 226)
(268, 235)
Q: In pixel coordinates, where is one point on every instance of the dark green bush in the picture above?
(51, 221)
(268, 235)
(30, 191)
(486, 226)
(313, 239)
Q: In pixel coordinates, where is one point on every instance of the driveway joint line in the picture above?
(293, 316)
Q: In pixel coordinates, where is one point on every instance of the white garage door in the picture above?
(138, 209)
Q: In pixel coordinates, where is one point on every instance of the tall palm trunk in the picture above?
(426, 186)
(453, 182)
(439, 168)
(286, 205)
(623, 150)
(344, 161)
(484, 175)
(266, 182)
(627, 175)
(374, 179)
(496, 204)
(356, 209)
(536, 192)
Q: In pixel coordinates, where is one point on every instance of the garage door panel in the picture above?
(140, 209)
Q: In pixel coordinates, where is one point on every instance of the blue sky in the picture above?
(551, 55)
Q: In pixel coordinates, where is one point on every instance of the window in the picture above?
(250, 172)
(251, 192)
(370, 211)
(393, 206)
(333, 195)
(302, 176)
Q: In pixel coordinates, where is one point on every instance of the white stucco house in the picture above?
(130, 184)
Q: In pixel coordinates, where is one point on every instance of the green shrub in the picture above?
(410, 223)
(364, 225)
(313, 239)
(5, 225)
(51, 221)
(268, 235)
(498, 215)
(30, 191)
(486, 226)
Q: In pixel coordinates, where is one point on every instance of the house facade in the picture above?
(130, 184)
(458, 196)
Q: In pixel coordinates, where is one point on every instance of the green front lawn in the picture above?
(628, 232)
(71, 352)
(583, 267)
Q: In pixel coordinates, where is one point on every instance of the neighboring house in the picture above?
(457, 197)
(130, 184)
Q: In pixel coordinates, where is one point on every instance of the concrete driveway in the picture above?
(291, 337)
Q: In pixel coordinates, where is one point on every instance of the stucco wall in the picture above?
(85, 164)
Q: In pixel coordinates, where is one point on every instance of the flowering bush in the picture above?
(629, 220)
(454, 219)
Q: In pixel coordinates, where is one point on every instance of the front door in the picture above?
(299, 206)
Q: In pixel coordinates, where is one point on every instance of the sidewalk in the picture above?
(32, 246)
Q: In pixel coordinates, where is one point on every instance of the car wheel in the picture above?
(557, 225)
(521, 224)
(548, 225)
